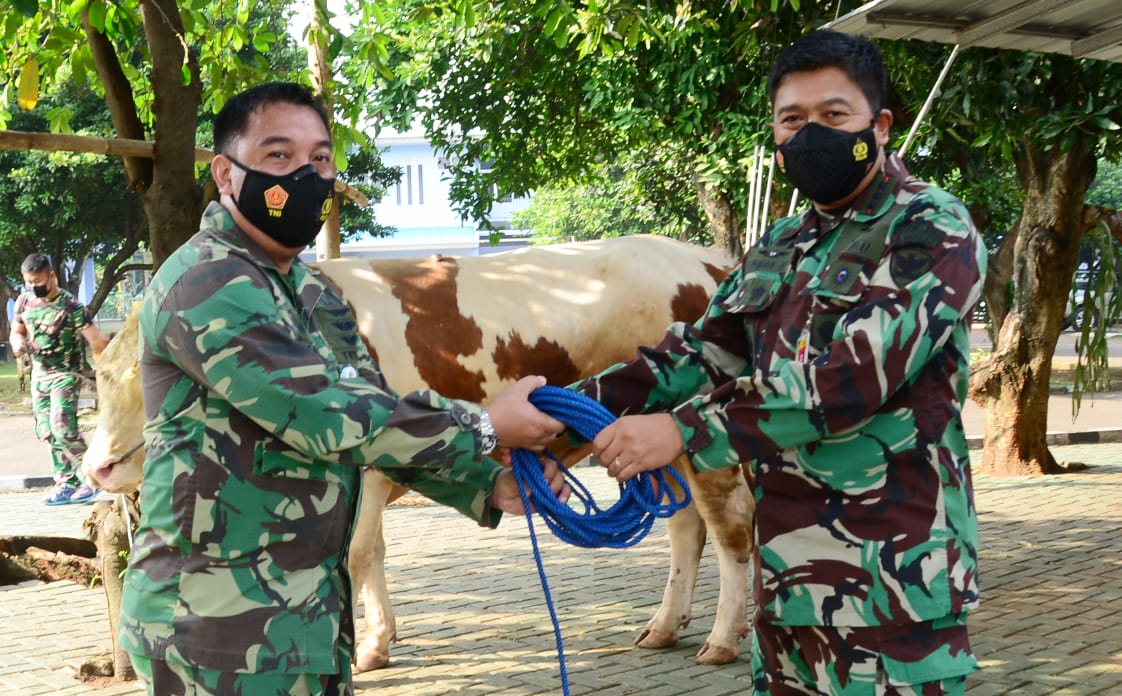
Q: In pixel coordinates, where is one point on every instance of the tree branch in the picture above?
(119, 99)
(1108, 216)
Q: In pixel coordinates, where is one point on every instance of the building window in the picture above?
(484, 168)
(407, 183)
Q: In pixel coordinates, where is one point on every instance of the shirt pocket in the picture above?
(765, 270)
(837, 289)
(305, 499)
(273, 458)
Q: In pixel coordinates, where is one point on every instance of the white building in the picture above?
(420, 209)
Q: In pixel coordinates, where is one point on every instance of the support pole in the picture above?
(930, 99)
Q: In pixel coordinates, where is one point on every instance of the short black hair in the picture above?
(35, 263)
(855, 55)
(232, 120)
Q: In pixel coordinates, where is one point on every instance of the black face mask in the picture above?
(40, 290)
(827, 164)
(289, 208)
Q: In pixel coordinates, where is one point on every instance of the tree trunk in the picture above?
(998, 275)
(167, 181)
(328, 243)
(1012, 384)
(171, 203)
(723, 220)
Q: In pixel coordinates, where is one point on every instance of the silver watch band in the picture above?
(489, 439)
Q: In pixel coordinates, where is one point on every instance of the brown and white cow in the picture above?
(468, 326)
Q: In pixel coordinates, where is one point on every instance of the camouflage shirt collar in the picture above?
(881, 194)
(869, 205)
(219, 224)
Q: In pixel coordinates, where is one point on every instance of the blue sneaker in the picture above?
(83, 494)
(61, 495)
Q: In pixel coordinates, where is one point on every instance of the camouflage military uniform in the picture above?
(54, 338)
(835, 361)
(262, 405)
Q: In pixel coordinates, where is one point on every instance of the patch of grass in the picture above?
(1064, 380)
(10, 395)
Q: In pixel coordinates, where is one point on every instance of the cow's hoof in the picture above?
(717, 655)
(369, 660)
(653, 638)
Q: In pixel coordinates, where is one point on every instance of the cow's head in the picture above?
(115, 457)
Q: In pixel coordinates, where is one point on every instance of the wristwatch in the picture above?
(487, 435)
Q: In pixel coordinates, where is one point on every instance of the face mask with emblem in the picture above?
(827, 164)
(289, 208)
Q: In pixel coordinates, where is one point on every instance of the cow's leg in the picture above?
(727, 507)
(368, 572)
(687, 539)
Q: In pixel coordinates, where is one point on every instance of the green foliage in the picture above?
(633, 197)
(548, 91)
(68, 205)
(368, 174)
(1106, 191)
(233, 43)
(1000, 102)
(1101, 302)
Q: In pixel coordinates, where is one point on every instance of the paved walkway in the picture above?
(472, 619)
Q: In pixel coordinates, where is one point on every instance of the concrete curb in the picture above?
(13, 484)
(1055, 439)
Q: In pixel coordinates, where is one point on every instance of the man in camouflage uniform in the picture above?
(833, 362)
(263, 405)
(49, 324)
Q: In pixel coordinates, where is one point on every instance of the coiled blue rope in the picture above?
(642, 499)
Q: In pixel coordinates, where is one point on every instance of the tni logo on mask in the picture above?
(275, 200)
(860, 151)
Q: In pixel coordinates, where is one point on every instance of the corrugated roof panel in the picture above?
(1083, 28)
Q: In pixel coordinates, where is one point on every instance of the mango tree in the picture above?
(1049, 119)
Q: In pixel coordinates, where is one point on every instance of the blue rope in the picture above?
(642, 499)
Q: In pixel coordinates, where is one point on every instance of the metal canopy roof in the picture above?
(1078, 28)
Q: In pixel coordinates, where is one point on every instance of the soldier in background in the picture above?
(263, 406)
(49, 324)
(833, 362)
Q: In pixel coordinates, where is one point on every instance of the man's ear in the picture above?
(222, 169)
(883, 126)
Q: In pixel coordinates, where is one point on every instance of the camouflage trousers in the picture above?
(174, 678)
(54, 403)
(927, 658)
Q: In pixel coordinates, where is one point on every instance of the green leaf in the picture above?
(97, 15)
(1106, 124)
(553, 21)
(59, 120)
(27, 8)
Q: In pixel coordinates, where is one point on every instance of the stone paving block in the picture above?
(473, 620)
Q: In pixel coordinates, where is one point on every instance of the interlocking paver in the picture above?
(472, 618)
